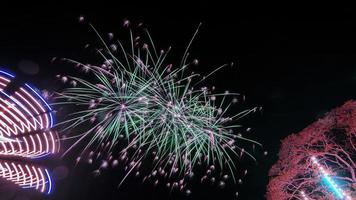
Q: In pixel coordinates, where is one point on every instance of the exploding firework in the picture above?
(143, 109)
(25, 123)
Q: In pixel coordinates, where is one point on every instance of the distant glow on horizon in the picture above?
(25, 122)
(340, 194)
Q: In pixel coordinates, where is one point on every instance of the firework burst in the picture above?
(143, 109)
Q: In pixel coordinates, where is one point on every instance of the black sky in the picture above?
(296, 60)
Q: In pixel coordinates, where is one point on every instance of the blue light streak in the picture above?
(7, 73)
(332, 185)
(49, 182)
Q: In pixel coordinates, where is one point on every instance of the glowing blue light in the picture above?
(7, 73)
(40, 156)
(332, 185)
(49, 182)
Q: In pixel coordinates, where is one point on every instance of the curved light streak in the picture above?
(26, 120)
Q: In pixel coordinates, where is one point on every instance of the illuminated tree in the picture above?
(320, 161)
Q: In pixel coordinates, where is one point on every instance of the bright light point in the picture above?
(329, 182)
(333, 187)
(303, 195)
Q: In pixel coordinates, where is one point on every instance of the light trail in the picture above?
(340, 194)
(25, 123)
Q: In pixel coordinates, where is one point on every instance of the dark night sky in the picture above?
(297, 61)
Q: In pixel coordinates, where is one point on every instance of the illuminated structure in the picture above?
(340, 194)
(26, 120)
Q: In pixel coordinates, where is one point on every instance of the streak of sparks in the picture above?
(151, 109)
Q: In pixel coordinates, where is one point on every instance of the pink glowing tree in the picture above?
(331, 143)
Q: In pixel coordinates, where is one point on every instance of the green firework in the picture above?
(138, 103)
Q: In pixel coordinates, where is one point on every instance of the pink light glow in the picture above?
(25, 123)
